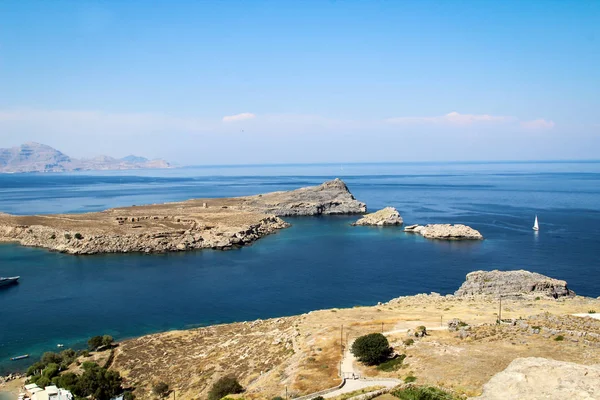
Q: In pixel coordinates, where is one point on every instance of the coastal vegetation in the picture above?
(423, 393)
(372, 349)
(161, 389)
(224, 386)
(97, 342)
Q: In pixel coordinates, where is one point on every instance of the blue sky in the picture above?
(199, 82)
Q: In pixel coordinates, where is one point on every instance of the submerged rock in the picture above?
(445, 231)
(512, 283)
(385, 216)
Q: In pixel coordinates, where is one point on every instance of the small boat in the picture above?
(19, 357)
(536, 226)
(60, 345)
(9, 281)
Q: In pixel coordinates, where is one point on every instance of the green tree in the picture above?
(107, 340)
(423, 393)
(68, 381)
(51, 371)
(224, 386)
(95, 342)
(371, 349)
(98, 382)
(35, 368)
(161, 389)
(50, 357)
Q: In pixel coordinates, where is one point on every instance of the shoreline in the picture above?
(215, 223)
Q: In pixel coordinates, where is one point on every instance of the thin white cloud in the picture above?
(538, 124)
(452, 118)
(238, 117)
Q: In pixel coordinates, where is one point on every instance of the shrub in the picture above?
(318, 398)
(161, 389)
(98, 382)
(42, 381)
(68, 236)
(538, 298)
(559, 338)
(277, 398)
(371, 349)
(53, 236)
(408, 342)
(410, 379)
(78, 236)
(423, 393)
(224, 386)
(592, 312)
(95, 342)
(128, 396)
(421, 331)
(391, 365)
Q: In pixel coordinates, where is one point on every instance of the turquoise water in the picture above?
(320, 262)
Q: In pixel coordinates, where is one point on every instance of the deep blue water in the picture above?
(317, 263)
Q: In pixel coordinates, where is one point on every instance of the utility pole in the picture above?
(382, 327)
(342, 340)
(441, 321)
(500, 311)
(286, 396)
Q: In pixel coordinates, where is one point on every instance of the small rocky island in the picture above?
(513, 283)
(445, 231)
(180, 226)
(383, 217)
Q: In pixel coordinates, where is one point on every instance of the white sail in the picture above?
(536, 226)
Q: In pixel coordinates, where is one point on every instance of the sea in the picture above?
(319, 262)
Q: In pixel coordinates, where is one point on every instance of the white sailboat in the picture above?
(536, 226)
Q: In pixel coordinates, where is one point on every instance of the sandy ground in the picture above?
(303, 354)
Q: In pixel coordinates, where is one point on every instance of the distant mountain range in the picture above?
(36, 157)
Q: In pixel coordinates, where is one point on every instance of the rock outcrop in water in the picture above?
(536, 378)
(187, 225)
(512, 283)
(445, 231)
(385, 216)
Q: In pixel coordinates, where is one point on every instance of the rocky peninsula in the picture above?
(180, 226)
(445, 231)
(383, 217)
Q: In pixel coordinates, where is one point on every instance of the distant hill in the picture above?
(36, 157)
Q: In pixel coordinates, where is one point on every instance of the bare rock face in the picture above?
(385, 216)
(445, 231)
(512, 283)
(329, 198)
(536, 378)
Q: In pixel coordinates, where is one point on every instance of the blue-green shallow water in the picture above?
(317, 263)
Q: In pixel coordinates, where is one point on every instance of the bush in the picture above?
(161, 389)
(95, 342)
(68, 236)
(98, 382)
(53, 236)
(277, 398)
(371, 349)
(318, 398)
(78, 236)
(592, 312)
(224, 386)
(559, 338)
(408, 342)
(128, 396)
(423, 393)
(410, 379)
(391, 365)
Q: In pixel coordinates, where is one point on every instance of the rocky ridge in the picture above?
(36, 157)
(383, 217)
(445, 231)
(535, 378)
(181, 226)
(512, 283)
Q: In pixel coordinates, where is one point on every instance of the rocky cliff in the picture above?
(188, 225)
(35, 157)
(385, 216)
(512, 283)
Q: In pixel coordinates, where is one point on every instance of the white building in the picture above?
(34, 392)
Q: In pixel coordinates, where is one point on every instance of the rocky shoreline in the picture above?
(181, 226)
(445, 232)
